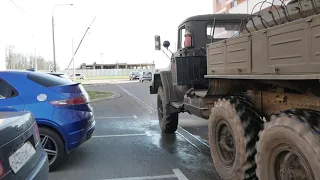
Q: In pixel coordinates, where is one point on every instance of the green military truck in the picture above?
(255, 78)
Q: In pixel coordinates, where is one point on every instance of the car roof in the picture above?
(15, 72)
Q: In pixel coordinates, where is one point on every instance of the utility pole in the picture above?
(82, 40)
(35, 59)
(74, 71)
(54, 47)
(53, 41)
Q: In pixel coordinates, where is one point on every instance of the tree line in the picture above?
(17, 60)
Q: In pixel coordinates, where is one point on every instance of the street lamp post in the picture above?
(54, 48)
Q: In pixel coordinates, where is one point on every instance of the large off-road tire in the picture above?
(168, 121)
(53, 144)
(289, 148)
(233, 132)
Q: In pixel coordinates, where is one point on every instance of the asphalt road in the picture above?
(128, 143)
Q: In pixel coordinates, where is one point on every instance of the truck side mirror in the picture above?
(157, 43)
(166, 44)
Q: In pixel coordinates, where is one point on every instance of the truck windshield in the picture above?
(223, 30)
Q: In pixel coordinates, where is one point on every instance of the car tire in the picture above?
(54, 143)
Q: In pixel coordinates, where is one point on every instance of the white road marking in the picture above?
(146, 106)
(146, 177)
(118, 135)
(148, 133)
(179, 174)
(134, 116)
(124, 117)
(142, 103)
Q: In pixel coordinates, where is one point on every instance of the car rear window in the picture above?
(47, 80)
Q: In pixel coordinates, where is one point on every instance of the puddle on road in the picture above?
(189, 156)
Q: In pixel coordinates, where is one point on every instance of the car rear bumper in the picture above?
(84, 133)
(41, 170)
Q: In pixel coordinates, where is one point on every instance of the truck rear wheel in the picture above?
(168, 121)
(233, 132)
(289, 148)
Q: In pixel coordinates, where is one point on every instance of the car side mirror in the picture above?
(157, 43)
(166, 44)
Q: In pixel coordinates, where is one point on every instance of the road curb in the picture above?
(97, 84)
(114, 96)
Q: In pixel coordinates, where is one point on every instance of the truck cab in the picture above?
(188, 64)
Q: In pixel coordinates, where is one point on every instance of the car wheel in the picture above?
(53, 144)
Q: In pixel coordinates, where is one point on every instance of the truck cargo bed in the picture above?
(288, 51)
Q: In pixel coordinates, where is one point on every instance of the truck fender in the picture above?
(167, 85)
(155, 83)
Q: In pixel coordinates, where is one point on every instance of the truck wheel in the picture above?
(233, 132)
(168, 121)
(289, 148)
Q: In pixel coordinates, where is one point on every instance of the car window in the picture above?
(6, 91)
(47, 80)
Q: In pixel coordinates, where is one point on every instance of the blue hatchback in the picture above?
(61, 109)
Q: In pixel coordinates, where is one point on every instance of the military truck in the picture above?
(255, 78)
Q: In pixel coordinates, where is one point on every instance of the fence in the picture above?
(105, 72)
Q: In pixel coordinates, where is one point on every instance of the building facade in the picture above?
(243, 6)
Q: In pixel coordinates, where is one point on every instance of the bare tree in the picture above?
(16, 60)
(9, 56)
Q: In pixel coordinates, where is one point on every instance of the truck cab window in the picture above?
(182, 32)
(223, 31)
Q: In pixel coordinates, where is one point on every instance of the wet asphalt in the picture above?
(128, 144)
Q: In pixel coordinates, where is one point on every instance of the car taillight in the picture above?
(2, 172)
(68, 102)
(188, 39)
(36, 133)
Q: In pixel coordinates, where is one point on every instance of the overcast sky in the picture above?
(123, 29)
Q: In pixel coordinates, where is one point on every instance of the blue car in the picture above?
(61, 109)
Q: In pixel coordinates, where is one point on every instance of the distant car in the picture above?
(21, 153)
(145, 76)
(134, 75)
(78, 76)
(61, 109)
(61, 75)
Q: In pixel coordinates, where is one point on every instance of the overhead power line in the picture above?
(18, 7)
